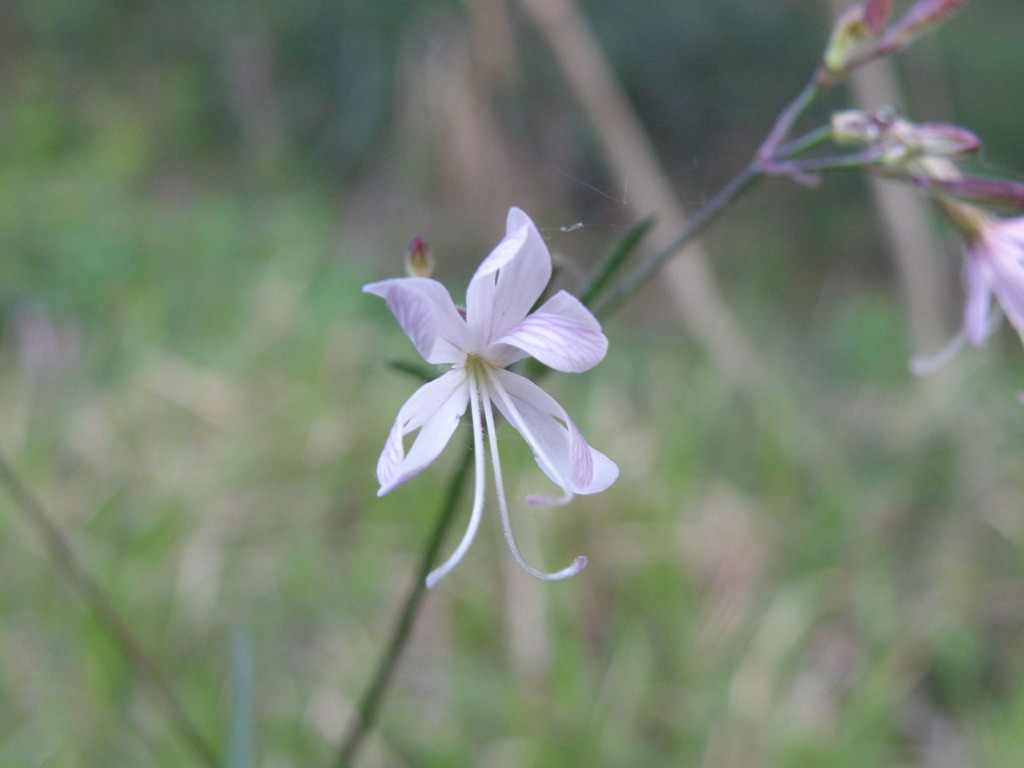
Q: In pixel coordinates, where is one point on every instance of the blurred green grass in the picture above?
(193, 383)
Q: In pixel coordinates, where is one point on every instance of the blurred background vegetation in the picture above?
(191, 196)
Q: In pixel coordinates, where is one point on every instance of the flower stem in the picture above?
(808, 141)
(810, 165)
(768, 150)
(764, 162)
(614, 261)
(701, 219)
(89, 590)
(369, 705)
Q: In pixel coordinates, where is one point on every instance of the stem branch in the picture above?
(697, 223)
(66, 559)
(369, 705)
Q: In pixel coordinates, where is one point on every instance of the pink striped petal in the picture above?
(435, 410)
(978, 300)
(567, 305)
(425, 311)
(1012, 228)
(570, 461)
(510, 280)
(559, 342)
(1006, 267)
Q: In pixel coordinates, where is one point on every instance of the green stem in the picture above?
(369, 705)
(614, 261)
(810, 140)
(768, 150)
(697, 223)
(764, 162)
(66, 559)
(810, 165)
(419, 371)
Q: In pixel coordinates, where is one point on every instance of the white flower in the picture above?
(495, 330)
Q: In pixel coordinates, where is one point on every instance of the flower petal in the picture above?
(425, 311)
(557, 341)
(559, 447)
(434, 409)
(510, 280)
(1006, 268)
(1012, 228)
(567, 305)
(978, 299)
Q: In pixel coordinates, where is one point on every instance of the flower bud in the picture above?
(1003, 193)
(855, 126)
(848, 34)
(876, 15)
(921, 150)
(419, 262)
(938, 139)
(921, 19)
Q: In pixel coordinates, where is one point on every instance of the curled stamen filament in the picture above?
(542, 458)
(580, 562)
(478, 492)
(923, 365)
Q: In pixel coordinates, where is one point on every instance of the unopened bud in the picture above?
(848, 34)
(876, 15)
(938, 139)
(1002, 193)
(419, 262)
(921, 149)
(921, 19)
(855, 126)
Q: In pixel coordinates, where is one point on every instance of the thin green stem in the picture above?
(768, 150)
(369, 705)
(614, 261)
(697, 223)
(764, 162)
(417, 370)
(66, 559)
(853, 162)
(810, 140)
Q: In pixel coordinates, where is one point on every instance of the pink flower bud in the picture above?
(1002, 193)
(848, 35)
(419, 262)
(942, 140)
(876, 15)
(922, 18)
(855, 126)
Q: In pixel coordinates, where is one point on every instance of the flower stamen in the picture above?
(506, 525)
(478, 491)
(520, 424)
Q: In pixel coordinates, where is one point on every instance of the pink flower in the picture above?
(495, 330)
(993, 264)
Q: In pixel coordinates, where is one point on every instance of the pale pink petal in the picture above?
(559, 342)
(876, 14)
(435, 410)
(510, 280)
(1006, 266)
(1012, 228)
(425, 311)
(561, 450)
(978, 299)
(563, 305)
(567, 305)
